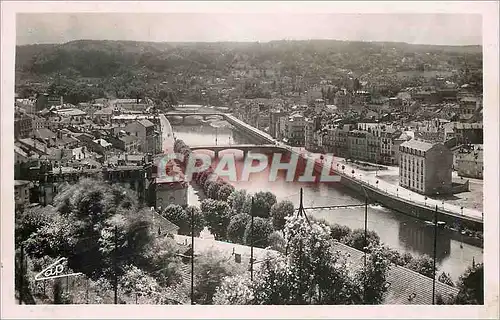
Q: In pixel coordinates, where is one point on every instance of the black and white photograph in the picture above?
(250, 158)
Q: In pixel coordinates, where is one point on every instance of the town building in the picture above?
(145, 131)
(75, 115)
(23, 126)
(296, 130)
(469, 105)
(425, 168)
(465, 133)
(22, 193)
(342, 99)
(310, 126)
(469, 162)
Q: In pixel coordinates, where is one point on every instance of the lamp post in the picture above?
(425, 201)
(397, 192)
(462, 210)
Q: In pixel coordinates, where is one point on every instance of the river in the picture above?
(397, 230)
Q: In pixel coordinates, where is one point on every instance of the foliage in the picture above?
(136, 281)
(423, 265)
(277, 242)
(31, 220)
(237, 226)
(199, 221)
(446, 279)
(225, 191)
(374, 279)
(210, 269)
(314, 272)
(177, 215)
(235, 290)
(263, 201)
(279, 211)
(240, 201)
(357, 239)
(262, 229)
(339, 232)
(217, 215)
(471, 286)
(83, 230)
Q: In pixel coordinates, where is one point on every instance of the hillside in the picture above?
(92, 58)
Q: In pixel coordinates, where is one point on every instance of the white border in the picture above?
(489, 11)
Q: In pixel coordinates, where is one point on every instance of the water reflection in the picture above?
(401, 232)
(420, 238)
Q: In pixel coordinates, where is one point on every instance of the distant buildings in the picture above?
(469, 162)
(425, 168)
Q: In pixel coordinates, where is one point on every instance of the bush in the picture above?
(237, 226)
(262, 229)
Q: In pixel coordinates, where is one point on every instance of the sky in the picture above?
(443, 29)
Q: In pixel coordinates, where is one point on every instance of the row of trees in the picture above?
(227, 212)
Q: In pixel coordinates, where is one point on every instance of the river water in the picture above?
(406, 234)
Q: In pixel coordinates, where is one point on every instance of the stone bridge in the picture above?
(245, 148)
(203, 115)
(243, 127)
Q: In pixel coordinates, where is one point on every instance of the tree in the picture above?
(235, 290)
(199, 221)
(89, 214)
(339, 232)
(212, 189)
(177, 215)
(471, 286)
(217, 215)
(237, 226)
(135, 281)
(423, 265)
(262, 229)
(357, 239)
(225, 191)
(314, 272)
(31, 220)
(446, 279)
(211, 269)
(263, 201)
(277, 242)
(373, 280)
(240, 201)
(279, 211)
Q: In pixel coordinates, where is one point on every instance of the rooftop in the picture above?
(146, 123)
(418, 145)
(70, 112)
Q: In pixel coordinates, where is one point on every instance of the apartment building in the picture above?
(425, 168)
(145, 131)
(296, 129)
